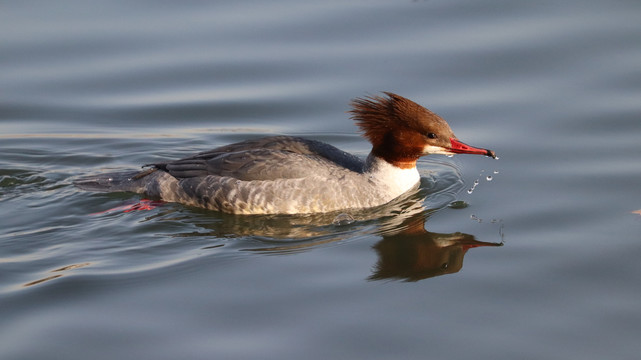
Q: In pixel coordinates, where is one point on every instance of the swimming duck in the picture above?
(294, 175)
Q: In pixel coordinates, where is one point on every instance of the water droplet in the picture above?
(496, 158)
(110, 179)
(474, 185)
(488, 178)
(496, 171)
(343, 219)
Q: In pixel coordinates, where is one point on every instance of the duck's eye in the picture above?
(431, 135)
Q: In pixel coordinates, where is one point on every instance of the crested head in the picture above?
(398, 128)
(401, 130)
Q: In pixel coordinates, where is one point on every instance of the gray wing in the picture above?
(265, 159)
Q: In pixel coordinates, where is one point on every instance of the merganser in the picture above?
(293, 175)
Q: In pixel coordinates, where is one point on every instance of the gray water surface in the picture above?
(553, 87)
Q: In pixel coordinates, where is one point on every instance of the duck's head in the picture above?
(401, 130)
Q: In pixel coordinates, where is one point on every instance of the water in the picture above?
(552, 87)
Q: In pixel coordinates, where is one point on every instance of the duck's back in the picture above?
(271, 158)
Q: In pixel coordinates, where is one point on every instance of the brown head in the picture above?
(401, 130)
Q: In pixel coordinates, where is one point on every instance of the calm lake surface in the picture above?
(93, 86)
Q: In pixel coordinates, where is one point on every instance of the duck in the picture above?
(296, 175)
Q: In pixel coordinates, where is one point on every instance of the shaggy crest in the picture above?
(377, 116)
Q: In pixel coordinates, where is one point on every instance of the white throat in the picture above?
(395, 180)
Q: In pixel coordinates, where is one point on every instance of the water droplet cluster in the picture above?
(477, 181)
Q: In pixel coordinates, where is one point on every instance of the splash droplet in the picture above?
(496, 171)
(488, 178)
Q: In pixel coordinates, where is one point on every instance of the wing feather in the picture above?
(271, 158)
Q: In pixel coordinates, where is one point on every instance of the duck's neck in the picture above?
(398, 180)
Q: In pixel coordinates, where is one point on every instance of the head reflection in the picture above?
(413, 253)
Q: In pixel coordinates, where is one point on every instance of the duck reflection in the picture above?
(414, 253)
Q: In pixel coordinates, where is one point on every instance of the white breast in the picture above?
(391, 179)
